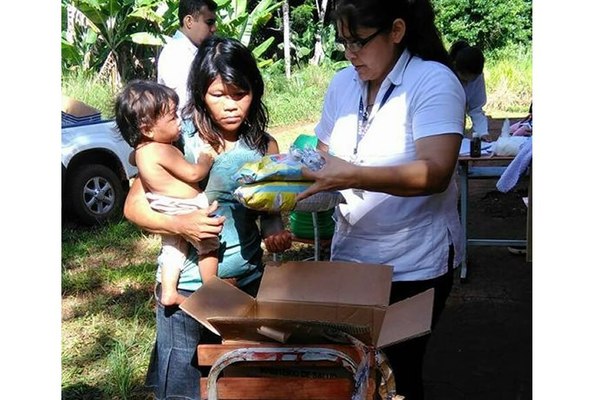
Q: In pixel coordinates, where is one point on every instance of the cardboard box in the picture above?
(77, 112)
(308, 302)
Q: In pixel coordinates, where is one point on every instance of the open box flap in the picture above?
(327, 282)
(407, 319)
(217, 298)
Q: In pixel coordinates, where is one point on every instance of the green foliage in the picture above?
(302, 31)
(486, 23)
(509, 76)
(83, 86)
(120, 39)
(298, 99)
(116, 38)
(235, 20)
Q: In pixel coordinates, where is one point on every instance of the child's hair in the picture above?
(234, 63)
(466, 58)
(140, 105)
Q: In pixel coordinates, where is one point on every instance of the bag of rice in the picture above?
(280, 167)
(281, 196)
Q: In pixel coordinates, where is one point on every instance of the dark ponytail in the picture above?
(422, 36)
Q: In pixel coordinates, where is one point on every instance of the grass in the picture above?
(298, 101)
(108, 272)
(84, 87)
(509, 78)
(107, 311)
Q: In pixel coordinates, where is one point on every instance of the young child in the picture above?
(146, 114)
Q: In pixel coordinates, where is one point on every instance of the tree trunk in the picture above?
(319, 54)
(286, 39)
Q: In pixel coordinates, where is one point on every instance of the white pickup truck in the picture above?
(95, 171)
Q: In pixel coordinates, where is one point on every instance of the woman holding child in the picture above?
(226, 112)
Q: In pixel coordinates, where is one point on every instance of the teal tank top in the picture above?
(240, 254)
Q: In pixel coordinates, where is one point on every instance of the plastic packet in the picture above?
(281, 196)
(280, 167)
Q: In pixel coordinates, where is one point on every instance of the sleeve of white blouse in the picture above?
(326, 123)
(476, 99)
(438, 105)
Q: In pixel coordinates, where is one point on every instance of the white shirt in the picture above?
(476, 99)
(174, 65)
(410, 233)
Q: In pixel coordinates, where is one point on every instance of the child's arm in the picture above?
(171, 159)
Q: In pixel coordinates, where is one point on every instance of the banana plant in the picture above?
(119, 33)
(234, 20)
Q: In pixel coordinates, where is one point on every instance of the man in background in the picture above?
(197, 21)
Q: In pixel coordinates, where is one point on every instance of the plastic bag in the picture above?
(281, 196)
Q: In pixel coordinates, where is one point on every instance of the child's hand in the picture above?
(205, 158)
(206, 155)
(208, 149)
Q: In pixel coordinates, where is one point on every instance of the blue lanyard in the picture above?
(363, 116)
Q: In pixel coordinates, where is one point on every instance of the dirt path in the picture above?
(285, 135)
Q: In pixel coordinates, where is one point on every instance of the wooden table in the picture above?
(485, 167)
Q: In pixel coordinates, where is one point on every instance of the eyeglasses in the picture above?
(356, 45)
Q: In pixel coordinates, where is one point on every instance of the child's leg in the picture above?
(172, 258)
(169, 276)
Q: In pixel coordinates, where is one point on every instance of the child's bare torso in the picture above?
(156, 162)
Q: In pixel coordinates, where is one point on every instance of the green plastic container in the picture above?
(304, 141)
(301, 223)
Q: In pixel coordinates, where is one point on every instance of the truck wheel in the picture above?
(96, 194)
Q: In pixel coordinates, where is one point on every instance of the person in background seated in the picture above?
(468, 62)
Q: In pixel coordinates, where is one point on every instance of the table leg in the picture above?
(529, 254)
(463, 172)
(317, 248)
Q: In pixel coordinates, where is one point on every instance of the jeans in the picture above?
(173, 372)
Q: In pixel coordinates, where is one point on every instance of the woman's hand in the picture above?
(200, 224)
(278, 242)
(336, 174)
(197, 225)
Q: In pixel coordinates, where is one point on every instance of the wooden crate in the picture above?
(289, 379)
